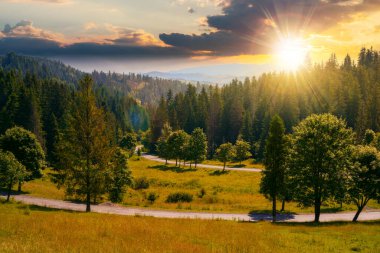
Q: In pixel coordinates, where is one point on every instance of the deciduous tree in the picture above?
(320, 156)
(11, 171)
(364, 177)
(225, 153)
(27, 150)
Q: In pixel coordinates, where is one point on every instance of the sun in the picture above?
(291, 53)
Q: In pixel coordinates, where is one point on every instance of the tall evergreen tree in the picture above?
(272, 181)
(85, 149)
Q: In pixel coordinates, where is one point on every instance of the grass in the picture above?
(250, 163)
(231, 191)
(33, 229)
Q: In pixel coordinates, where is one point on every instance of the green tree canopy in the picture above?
(364, 180)
(272, 182)
(85, 149)
(129, 142)
(197, 146)
(242, 150)
(225, 153)
(11, 171)
(119, 176)
(320, 156)
(27, 150)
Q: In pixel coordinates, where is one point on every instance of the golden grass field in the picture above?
(231, 192)
(35, 229)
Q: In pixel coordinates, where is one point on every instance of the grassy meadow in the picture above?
(232, 191)
(35, 229)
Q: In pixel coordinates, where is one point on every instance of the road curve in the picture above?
(206, 166)
(130, 211)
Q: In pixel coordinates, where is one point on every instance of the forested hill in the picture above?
(144, 88)
(349, 90)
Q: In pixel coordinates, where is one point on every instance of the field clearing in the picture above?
(35, 229)
(233, 191)
(244, 164)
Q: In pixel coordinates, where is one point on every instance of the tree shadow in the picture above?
(327, 224)
(44, 209)
(4, 192)
(172, 169)
(266, 215)
(238, 166)
(219, 173)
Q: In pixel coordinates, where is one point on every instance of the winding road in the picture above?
(206, 166)
(131, 211)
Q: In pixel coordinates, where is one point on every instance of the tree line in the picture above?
(180, 146)
(320, 161)
(88, 162)
(350, 90)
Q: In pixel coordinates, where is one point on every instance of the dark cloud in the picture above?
(259, 22)
(49, 48)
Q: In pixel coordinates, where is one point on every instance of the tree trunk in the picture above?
(9, 191)
(360, 209)
(283, 205)
(176, 162)
(88, 196)
(88, 202)
(195, 164)
(274, 208)
(19, 186)
(317, 209)
(190, 165)
(224, 166)
(166, 161)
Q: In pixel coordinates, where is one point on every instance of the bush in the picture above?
(141, 183)
(202, 192)
(179, 197)
(152, 196)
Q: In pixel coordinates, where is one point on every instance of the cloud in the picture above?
(260, 23)
(202, 3)
(45, 1)
(25, 28)
(121, 42)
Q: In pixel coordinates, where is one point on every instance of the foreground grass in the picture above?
(232, 191)
(33, 229)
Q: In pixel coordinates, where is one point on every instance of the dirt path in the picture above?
(207, 166)
(114, 209)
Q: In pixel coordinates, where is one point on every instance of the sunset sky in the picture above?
(165, 35)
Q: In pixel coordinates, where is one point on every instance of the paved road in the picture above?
(115, 209)
(207, 166)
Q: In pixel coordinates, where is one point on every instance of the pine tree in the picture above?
(85, 149)
(272, 181)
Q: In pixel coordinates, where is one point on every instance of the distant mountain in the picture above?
(214, 74)
(147, 89)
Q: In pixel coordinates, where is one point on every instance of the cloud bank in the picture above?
(251, 26)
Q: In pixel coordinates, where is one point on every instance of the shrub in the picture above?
(141, 183)
(179, 197)
(202, 192)
(152, 196)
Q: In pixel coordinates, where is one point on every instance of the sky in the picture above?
(169, 35)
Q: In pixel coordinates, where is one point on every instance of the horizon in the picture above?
(189, 34)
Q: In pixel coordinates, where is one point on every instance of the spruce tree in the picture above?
(272, 181)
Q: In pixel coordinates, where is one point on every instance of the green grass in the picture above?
(244, 164)
(232, 191)
(34, 229)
